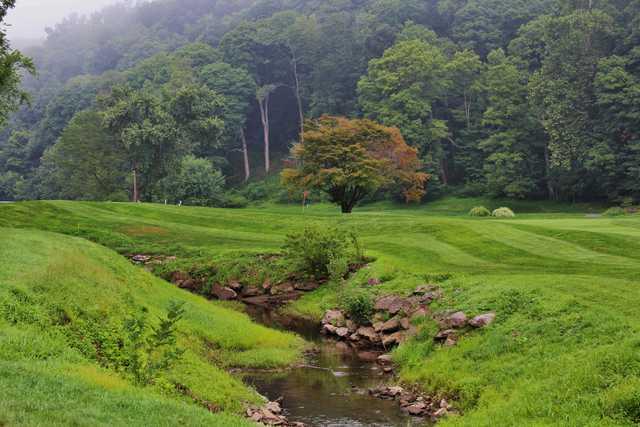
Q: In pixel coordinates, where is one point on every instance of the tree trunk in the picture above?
(547, 163)
(467, 110)
(346, 207)
(294, 62)
(135, 185)
(264, 116)
(245, 156)
(443, 172)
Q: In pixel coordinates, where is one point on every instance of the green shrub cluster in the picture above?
(133, 347)
(233, 200)
(358, 305)
(322, 252)
(614, 211)
(503, 213)
(480, 211)
(152, 350)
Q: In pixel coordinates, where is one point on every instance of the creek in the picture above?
(331, 389)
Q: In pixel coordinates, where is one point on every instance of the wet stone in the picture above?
(482, 320)
(223, 293)
(334, 317)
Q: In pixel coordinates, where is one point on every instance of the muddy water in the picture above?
(332, 389)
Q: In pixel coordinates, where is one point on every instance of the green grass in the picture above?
(64, 300)
(565, 349)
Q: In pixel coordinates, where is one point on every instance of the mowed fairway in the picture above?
(565, 349)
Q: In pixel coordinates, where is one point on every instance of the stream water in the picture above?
(332, 389)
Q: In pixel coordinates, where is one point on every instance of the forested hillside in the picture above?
(528, 99)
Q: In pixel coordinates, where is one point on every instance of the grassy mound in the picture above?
(614, 211)
(503, 213)
(479, 211)
(563, 349)
(64, 307)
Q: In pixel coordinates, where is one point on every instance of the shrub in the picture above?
(322, 252)
(358, 305)
(233, 201)
(503, 213)
(614, 211)
(149, 355)
(480, 211)
(195, 182)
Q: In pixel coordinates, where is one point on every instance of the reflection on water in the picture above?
(332, 390)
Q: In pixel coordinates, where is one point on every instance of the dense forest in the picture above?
(534, 99)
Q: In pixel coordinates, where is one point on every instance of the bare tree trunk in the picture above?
(245, 156)
(135, 184)
(443, 172)
(264, 116)
(294, 62)
(467, 111)
(547, 163)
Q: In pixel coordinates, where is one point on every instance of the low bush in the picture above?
(151, 351)
(358, 305)
(503, 213)
(322, 252)
(233, 201)
(614, 211)
(480, 211)
(195, 182)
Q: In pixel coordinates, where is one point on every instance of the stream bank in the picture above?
(332, 388)
(336, 384)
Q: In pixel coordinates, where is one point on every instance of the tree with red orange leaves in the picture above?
(351, 158)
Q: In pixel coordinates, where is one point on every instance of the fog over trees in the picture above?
(535, 99)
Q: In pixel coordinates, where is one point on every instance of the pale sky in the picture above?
(30, 17)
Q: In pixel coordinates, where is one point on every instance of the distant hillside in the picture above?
(531, 100)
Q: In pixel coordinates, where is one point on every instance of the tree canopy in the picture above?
(532, 99)
(351, 159)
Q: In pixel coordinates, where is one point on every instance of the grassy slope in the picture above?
(566, 346)
(49, 377)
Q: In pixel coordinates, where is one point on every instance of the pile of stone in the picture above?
(150, 260)
(394, 318)
(186, 281)
(386, 363)
(414, 404)
(270, 415)
(453, 324)
(391, 323)
(267, 294)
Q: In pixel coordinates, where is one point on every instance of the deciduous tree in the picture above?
(350, 159)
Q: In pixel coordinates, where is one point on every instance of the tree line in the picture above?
(178, 100)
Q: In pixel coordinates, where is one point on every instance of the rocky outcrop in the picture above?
(267, 294)
(223, 293)
(270, 415)
(385, 359)
(414, 404)
(482, 320)
(394, 318)
(448, 337)
(455, 320)
(334, 317)
(150, 260)
(391, 323)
